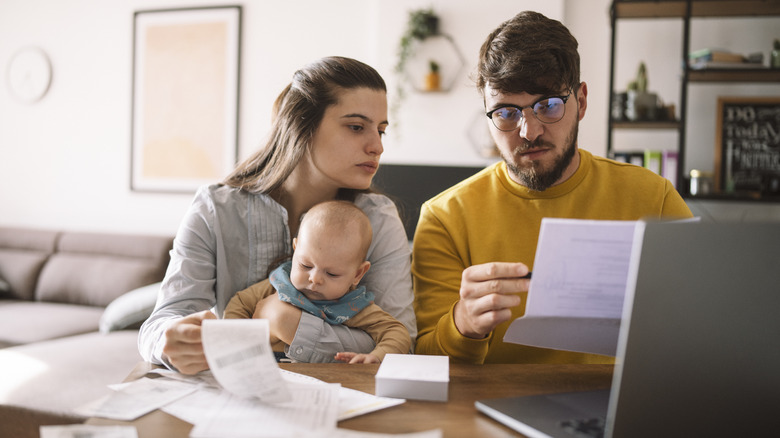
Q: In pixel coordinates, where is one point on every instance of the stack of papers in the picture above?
(414, 376)
(244, 393)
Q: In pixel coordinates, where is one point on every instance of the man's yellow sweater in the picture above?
(490, 218)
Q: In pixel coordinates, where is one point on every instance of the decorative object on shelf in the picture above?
(747, 157)
(425, 53)
(701, 182)
(29, 74)
(775, 58)
(433, 78)
(618, 110)
(185, 97)
(641, 104)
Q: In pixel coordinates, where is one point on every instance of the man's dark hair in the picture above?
(529, 53)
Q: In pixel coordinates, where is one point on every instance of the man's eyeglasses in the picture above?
(546, 110)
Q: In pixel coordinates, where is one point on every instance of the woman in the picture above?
(324, 144)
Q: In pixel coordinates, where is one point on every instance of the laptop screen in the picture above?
(699, 347)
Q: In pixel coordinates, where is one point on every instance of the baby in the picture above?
(328, 262)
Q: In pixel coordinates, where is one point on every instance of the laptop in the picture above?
(699, 345)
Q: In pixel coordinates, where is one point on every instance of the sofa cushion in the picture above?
(23, 322)
(130, 310)
(60, 375)
(22, 255)
(94, 269)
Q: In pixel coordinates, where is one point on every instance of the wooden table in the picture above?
(457, 417)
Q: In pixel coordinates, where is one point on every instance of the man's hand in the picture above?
(183, 346)
(356, 358)
(487, 294)
(283, 318)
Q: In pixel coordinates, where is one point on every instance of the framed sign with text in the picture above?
(747, 159)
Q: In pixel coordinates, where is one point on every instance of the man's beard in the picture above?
(539, 180)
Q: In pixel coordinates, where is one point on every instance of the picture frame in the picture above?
(185, 97)
(747, 157)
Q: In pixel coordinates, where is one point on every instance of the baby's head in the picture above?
(329, 256)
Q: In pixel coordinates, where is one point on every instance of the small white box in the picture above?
(413, 376)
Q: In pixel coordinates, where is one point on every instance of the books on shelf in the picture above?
(635, 158)
(722, 59)
(652, 160)
(716, 55)
(707, 65)
(663, 163)
(669, 166)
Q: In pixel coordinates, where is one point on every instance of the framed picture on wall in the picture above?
(747, 156)
(185, 97)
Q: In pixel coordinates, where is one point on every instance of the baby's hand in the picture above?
(356, 358)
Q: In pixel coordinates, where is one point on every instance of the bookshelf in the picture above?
(686, 11)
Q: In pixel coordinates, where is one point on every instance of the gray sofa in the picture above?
(70, 307)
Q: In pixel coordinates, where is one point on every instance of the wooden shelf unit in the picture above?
(699, 8)
(686, 10)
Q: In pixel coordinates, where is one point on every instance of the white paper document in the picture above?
(347, 433)
(244, 394)
(240, 357)
(128, 401)
(354, 403)
(575, 300)
(311, 408)
(87, 431)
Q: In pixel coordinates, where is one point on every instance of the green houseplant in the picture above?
(421, 24)
(640, 103)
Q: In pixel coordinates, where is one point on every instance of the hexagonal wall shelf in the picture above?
(441, 50)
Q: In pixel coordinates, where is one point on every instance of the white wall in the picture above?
(65, 160)
(434, 128)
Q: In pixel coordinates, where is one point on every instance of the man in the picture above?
(476, 241)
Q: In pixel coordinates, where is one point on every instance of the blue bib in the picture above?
(332, 311)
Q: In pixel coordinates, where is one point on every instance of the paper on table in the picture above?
(354, 403)
(351, 403)
(196, 407)
(203, 378)
(347, 433)
(131, 400)
(240, 357)
(575, 299)
(87, 431)
(312, 407)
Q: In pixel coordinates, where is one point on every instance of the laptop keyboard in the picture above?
(586, 428)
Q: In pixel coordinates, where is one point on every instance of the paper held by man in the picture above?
(575, 300)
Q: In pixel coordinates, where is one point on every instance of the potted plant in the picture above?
(640, 104)
(432, 79)
(422, 23)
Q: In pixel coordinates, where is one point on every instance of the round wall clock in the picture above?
(29, 74)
